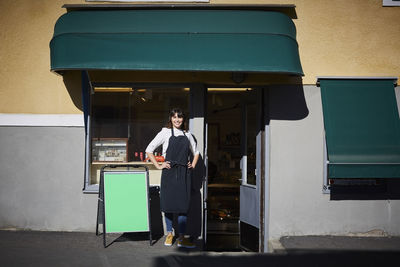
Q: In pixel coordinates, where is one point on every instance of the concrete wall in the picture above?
(297, 204)
(41, 179)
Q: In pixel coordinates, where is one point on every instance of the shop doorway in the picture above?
(232, 159)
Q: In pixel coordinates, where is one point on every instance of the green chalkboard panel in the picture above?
(126, 204)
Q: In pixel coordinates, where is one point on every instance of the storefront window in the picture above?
(123, 122)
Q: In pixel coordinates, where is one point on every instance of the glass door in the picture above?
(249, 218)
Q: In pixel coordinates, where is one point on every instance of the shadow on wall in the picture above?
(73, 84)
(287, 102)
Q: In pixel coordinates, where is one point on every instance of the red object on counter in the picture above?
(158, 159)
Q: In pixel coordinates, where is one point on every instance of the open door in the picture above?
(223, 154)
(251, 151)
(233, 154)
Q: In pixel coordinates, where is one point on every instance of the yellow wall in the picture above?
(348, 38)
(336, 38)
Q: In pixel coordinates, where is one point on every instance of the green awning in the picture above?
(362, 128)
(176, 40)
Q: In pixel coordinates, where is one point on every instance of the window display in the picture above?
(109, 150)
(123, 122)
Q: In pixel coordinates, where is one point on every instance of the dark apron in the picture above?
(176, 181)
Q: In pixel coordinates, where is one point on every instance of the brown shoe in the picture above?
(185, 243)
(169, 240)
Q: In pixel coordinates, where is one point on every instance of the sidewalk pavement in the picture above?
(34, 248)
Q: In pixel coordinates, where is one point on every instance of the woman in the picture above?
(177, 148)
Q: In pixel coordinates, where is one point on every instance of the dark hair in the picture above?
(180, 114)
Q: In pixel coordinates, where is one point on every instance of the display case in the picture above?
(109, 149)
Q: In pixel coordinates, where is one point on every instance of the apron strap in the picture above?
(172, 132)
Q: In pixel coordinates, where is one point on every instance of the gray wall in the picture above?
(41, 180)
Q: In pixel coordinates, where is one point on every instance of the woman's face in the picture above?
(176, 121)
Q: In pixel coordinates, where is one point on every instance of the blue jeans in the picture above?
(182, 218)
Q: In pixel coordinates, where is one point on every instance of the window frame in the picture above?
(88, 92)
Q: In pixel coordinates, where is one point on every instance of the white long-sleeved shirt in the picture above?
(162, 138)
